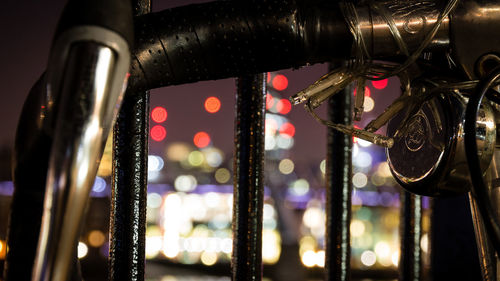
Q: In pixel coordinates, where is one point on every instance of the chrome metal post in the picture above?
(248, 178)
(129, 183)
(410, 263)
(338, 192)
(88, 97)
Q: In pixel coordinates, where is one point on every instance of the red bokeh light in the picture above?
(201, 139)
(283, 106)
(367, 92)
(380, 84)
(287, 130)
(158, 133)
(159, 114)
(280, 82)
(212, 104)
(269, 101)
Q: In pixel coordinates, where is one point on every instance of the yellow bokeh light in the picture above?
(196, 158)
(368, 104)
(3, 249)
(320, 258)
(170, 250)
(222, 175)
(357, 228)
(209, 258)
(286, 166)
(382, 249)
(314, 217)
(309, 258)
(178, 152)
(384, 170)
(153, 246)
(307, 243)
(271, 246)
(395, 258)
(96, 238)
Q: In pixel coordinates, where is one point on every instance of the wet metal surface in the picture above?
(410, 263)
(248, 178)
(234, 38)
(338, 191)
(129, 184)
(129, 189)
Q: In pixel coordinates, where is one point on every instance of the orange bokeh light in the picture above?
(159, 114)
(212, 104)
(201, 139)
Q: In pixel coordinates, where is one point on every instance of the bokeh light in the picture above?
(269, 101)
(185, 183)
(159, 114)
(99, 185)
(155, 163)
(96, 238)
(201, 139)
(280, 82)
(299, 187)
(359, 180)
(322, 166)
(283, 106)
(368, 258)
(309, 258)
(367, 92)
(82, 250)
(208, 258)
(380, 84)
(158, 133)
(357, 228)
(178, 151)
(212, 105)
(153, 246)
(368, 104)
(222, 175)
(286, 166)
(196, 158)
(287, 129)
(3, 249)
(154, 200)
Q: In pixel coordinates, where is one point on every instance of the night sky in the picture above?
(27, 28)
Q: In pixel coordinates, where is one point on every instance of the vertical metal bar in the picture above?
(338, 191)
(248, 178)
(410, 265)
(486, 252)
(129, 183)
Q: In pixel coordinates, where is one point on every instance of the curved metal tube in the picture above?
(234, 38)
(87, 106)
